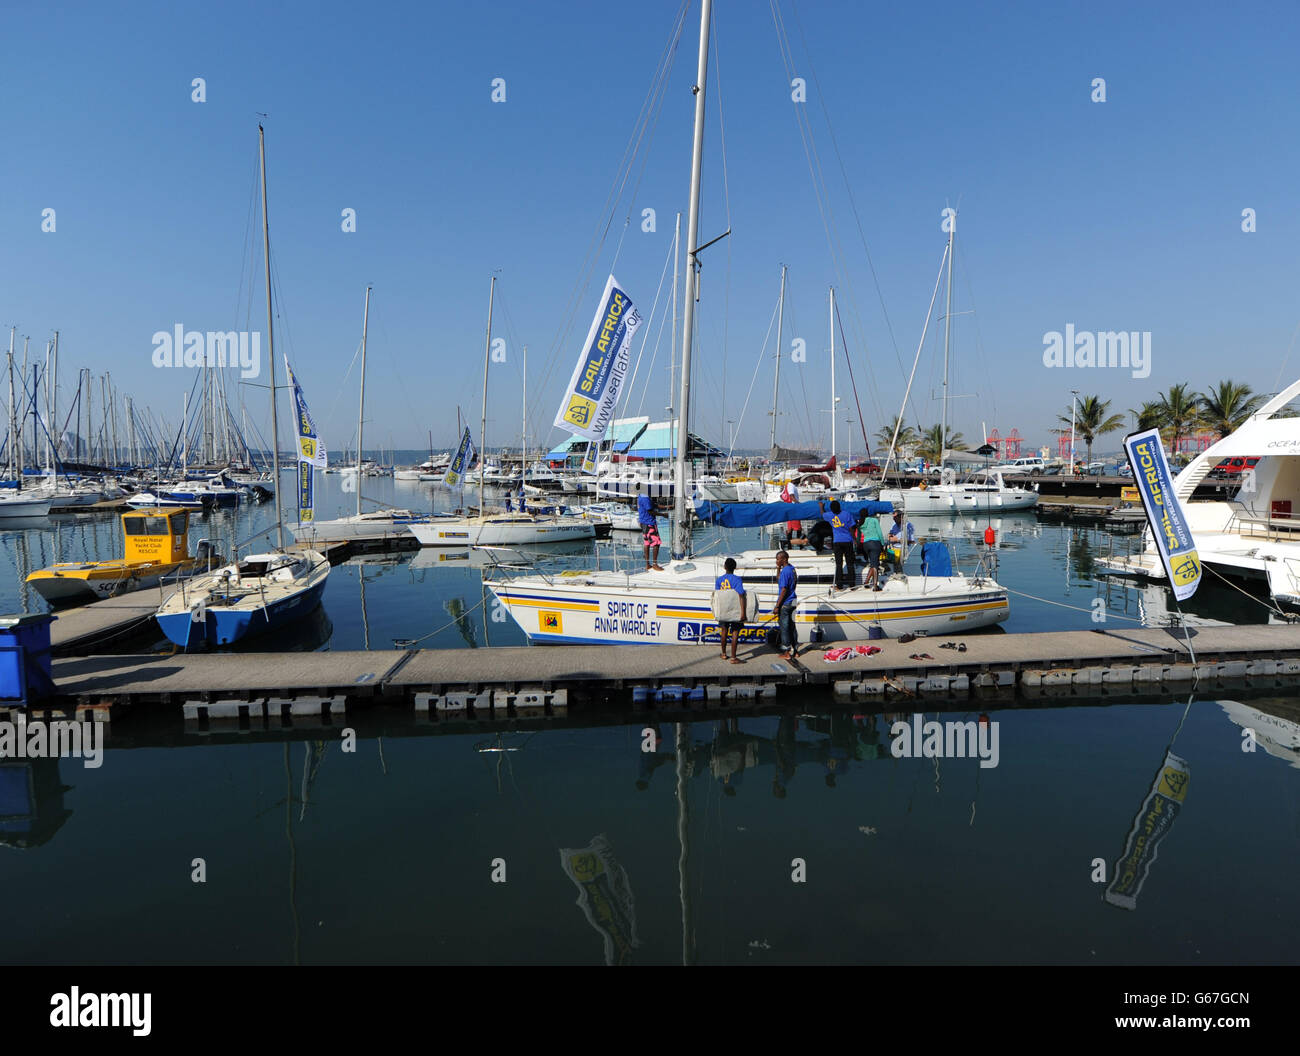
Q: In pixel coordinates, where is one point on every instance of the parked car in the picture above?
(863, 467)
(1232, 468)
(1020, 466)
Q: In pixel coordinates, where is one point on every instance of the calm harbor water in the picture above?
(388, 854)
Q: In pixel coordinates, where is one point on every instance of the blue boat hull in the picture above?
(226, 626)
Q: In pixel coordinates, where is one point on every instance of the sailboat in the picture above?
(673, 606)
(985, 489)
(498, 529)
(263, 591)
(17, 503)
(376, 524)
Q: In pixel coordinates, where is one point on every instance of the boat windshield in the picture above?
(146, 526)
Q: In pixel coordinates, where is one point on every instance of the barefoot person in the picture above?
(645, 516)
(729, 606)
(786, 582)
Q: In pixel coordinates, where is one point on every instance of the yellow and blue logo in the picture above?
(580, 410)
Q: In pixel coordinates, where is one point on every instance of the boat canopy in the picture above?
(755, 514)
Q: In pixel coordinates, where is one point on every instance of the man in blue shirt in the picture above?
(730, 581)
(645, 516)
(786, 583)
(842, 544)
(898, 532)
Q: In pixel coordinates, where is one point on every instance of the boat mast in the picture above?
(672, 334)
(833, 400)
(54, 393)
(776, 381)
(270, 344)
(681, 526)
(523, 435)
(49, 451)
(361, 407)
(947, 333)
(12, 428)
(482, 431)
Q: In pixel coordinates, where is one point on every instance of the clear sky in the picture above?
(1106, 216)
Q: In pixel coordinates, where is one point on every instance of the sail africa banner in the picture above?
(310, 448)
(311, 452)
(455, 474)
(1169, 528)
(588, 403)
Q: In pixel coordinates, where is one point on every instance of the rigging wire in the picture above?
(649, 109)
(762, 354)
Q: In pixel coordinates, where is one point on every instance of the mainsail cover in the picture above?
(756, 514)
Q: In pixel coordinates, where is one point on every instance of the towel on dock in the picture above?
(834, 656)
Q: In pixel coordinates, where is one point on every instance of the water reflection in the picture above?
(31, 802)
(685, 854)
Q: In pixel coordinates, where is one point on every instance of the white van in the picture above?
(1020, 467)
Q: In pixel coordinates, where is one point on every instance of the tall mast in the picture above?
(22, 453)
(776, 381)
(681, 526)
(482, 431)
(947, 333)
(13, 430)
(270, 343)
(672, 335)
(361, 410)
(130, 433)
(49, 451)
(834, 409)
(523, 436)
(54, 395)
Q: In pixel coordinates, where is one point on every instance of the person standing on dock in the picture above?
(787, 581)
(650, 541)
(729, 605)
(842, 546)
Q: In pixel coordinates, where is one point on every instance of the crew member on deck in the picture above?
(842, 545)
(645, 516)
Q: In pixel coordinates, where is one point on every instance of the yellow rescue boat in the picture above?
(157, 547)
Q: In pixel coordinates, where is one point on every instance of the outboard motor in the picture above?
(204, 551)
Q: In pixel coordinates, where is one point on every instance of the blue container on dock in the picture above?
(874, 632)
(25, 657)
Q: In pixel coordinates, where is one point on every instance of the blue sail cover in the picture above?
(755, 514)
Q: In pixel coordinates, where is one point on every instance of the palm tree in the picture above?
(932, 449)
(1090, 420)
(1227, 405)
(907, 436)
(1148, 415)
(1178, 409)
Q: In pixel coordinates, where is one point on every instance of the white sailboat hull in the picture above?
(595, 609)
(951, 498)
(19, 505)
(387, 525)
(504, 530)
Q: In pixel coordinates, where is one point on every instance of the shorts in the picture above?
(650, 536)
(731, 625)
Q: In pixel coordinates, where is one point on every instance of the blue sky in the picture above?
(1122, 215)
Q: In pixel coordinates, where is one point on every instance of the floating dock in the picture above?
(507, 682)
